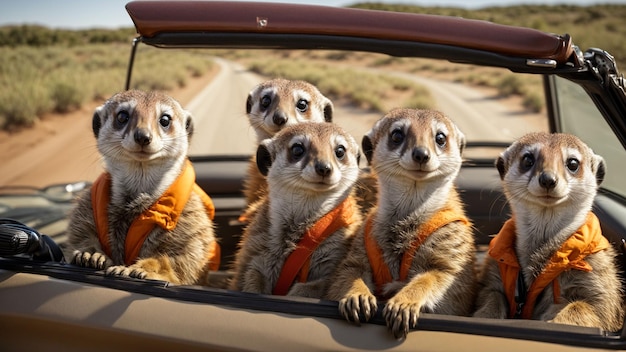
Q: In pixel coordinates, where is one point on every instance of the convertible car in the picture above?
(47, 304)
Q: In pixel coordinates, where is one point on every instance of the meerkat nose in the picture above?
(279, 118)
(323, 168)
(421, 155)
(143, 137)
(547, 180)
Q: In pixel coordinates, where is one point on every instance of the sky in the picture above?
(85, 14)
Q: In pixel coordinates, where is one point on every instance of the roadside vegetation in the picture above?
(506, 84)
(364, 90)
(35, 81)
(599, 26)
(46, 70)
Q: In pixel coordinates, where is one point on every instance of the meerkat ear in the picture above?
(189, 126)
(249, 103)
(264, 157)
(462, 140)
(598, 166)
(368, 148)
(357, 151)
(328, 110)
(367, 143)
(501, 166)
(96, 121)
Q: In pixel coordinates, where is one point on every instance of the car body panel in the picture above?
(72, 308)
(188, 325)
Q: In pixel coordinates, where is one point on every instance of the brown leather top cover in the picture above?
(153, 17)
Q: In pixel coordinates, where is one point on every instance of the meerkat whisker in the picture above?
(415, 156)
(271, 106)
(311, 169)
(143, 138)
(550, 181)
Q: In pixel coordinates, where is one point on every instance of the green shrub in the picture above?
(533, 101)
(509, 85)
(39, 80)
(420, 102)
(20, 105)
(66, 96)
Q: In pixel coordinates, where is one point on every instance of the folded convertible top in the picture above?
(154, 18)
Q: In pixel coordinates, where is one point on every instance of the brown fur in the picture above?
(143, 157)
(543, 223)
(441, 277)
(273, 105)
(298, 196)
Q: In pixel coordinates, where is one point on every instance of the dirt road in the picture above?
(62, 149)
(220, 115)
(224, 128)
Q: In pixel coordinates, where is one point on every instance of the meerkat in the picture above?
(305, 222)
(567, 274)
(415, 250)
(273, 105)
(144, 217)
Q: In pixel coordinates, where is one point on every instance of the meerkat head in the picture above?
(416, 145)
(137, 126)
(310, 157)
(277, 103)
(547, 170)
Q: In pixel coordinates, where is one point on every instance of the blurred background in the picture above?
(60, 59)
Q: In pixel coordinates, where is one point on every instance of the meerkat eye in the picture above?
(528, 160)
(165, 120)
(572, 164)
(122, 118)
(266, 100)
(302, 105)
(440, 139)
(397, 136)
(297, 150)
(340, 152)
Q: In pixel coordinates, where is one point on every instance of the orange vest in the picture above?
(586, 240)
(297, 263)
(164, 213)
(380, 270)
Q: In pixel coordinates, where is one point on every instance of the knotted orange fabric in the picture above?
(588, 239)
(297, 263)
(163, 213)
(380, 269)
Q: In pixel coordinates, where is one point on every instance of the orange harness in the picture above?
(164, 213)
(586, 240)
(297, 263)
(380, 269)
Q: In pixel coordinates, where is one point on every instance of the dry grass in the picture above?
(369, 91)
(44, 70)
(36, 81)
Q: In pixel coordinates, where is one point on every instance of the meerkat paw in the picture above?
(353, 306)
(577, 313)
(127, 271)
(401, 316)
(95, 260)
(158, 268)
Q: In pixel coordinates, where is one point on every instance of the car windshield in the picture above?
(580, 117)
(492, 106)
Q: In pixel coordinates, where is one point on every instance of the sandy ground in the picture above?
(61, 148)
